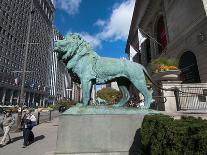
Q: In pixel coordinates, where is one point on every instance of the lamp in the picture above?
(201, 37)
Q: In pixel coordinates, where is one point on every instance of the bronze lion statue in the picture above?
(79, 57)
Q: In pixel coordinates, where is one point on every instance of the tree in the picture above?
(109, 94)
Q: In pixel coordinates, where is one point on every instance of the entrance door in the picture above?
(189, 68)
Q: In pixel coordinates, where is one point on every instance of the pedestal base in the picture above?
(109, 131)
(99, 134)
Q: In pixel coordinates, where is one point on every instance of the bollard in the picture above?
(18, 122)
(176, 93)
(38, 118)
(50, 116)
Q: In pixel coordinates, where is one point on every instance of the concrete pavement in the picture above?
(44, 144)
(44, 117)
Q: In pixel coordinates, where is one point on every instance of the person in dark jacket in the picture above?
(7, 123)
(28, 122)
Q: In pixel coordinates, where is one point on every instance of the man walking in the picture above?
(7, 123)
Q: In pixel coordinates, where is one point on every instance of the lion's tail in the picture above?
(153, 82)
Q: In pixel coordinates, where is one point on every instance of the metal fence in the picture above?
(158, 102)
(191, 98)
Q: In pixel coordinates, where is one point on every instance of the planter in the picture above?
(169, 75)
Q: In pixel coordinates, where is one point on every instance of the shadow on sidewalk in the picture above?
(13, 140)
(16, 139)
(39, 138)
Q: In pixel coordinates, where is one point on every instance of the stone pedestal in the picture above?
(169, 75)
(170, 104)
(100, 134)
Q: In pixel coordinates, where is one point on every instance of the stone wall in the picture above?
(180, 16)
(184, 22)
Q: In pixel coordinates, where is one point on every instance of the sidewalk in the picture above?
(45, 141)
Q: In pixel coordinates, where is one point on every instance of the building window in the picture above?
(161, 35)
(148, 50)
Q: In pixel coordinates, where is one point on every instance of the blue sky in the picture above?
(103, 23)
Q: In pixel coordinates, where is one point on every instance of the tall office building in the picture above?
(60, 81)
(14, 17)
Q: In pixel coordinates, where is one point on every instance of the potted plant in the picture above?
(163, 64)
(165, 68)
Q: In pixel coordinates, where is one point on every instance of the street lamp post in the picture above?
(22, 99)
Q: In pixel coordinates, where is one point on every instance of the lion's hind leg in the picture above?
(141, 86)
(125, 95)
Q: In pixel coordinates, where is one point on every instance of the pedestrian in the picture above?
(7, 123)
(29, 121)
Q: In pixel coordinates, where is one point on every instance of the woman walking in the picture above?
(29, 121)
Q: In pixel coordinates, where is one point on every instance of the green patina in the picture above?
(100, 101)
(81, 59)
(79, 109)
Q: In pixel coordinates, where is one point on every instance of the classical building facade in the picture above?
(175, 28)
(14, 16)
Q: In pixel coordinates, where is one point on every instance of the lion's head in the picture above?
(68, 47)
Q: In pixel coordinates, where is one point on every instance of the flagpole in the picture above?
(22, 99)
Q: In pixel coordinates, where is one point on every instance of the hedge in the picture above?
(162, 135)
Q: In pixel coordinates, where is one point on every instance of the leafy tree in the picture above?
(109, 94)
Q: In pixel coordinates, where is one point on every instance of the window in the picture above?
(161, 35)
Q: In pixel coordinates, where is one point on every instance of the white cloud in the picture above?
(93, 40)
(117, 27)
(100, 23)
(70, 6)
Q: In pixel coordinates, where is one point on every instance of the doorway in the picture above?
(189, 68)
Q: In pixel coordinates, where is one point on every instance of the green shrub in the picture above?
(163, 61)
(162, 134)
(65, 103)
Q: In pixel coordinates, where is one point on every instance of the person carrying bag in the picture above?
(29, 121)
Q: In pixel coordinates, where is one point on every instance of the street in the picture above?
(44, 144)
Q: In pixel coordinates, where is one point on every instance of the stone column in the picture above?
(170, 104)
(25, 95)
(44, 99)
(11, 97)
(28, 100)
(40, 104)
(73, 91)
(4, 96)
(33, 99)
(18, 97)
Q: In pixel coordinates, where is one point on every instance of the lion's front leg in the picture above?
(86, 91)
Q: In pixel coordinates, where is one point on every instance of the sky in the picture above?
(103, 23)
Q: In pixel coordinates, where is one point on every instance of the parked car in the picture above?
(9, 109)
(62, 109)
